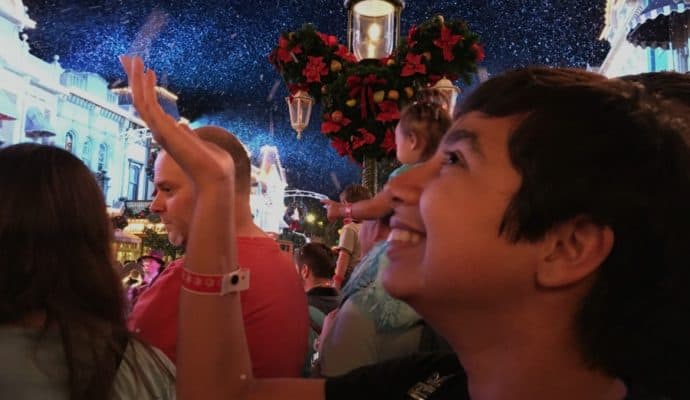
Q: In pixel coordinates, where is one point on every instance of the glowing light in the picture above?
(267, 198)
(374, 8)
(374, 32)
(310, 218)
(371, 50)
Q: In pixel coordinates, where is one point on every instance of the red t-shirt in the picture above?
(274, 310)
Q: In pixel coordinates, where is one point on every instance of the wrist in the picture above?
(215, 284)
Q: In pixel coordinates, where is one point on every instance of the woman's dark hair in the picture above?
(319, 259)
(611, 152)
(427, 120)
(55, 247)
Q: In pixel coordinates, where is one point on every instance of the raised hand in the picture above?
(204, 163)
(334, 209)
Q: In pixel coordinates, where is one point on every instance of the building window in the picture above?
(133, 180)
(102, 157)
(86, 152)
(69, 141)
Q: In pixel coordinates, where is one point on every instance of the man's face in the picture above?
(174, 199)
(445, 249)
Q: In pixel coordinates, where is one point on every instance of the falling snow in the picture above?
(214, 52)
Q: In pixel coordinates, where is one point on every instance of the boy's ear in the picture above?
(573, 251)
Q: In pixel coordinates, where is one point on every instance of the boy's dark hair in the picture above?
(609, 151)
(318, 258)
(427, 120)
(669, 85)
(354, 193)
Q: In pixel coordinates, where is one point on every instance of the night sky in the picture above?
(212, 54)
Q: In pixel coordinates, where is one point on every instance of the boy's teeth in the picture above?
(401, 235)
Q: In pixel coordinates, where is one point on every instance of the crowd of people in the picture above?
(533, 245)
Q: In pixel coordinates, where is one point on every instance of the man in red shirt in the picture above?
(274, 308)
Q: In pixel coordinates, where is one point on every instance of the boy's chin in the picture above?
(176, 239)
(399, 284)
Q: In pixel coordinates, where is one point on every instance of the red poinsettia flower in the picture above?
(345, 54)
(478, 51)
(446, 42)
(330, 126)
(314, 69)
(284, 54)
(389, 111)
(341, 147)
(410, 40)
(366, 138)
(388, 143)
(413, 65)
(328, 40)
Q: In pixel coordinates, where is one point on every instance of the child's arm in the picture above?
(373, 208)
(341, 268)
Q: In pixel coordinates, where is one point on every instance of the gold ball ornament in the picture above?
(336, 66)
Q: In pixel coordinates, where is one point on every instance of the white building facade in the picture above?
(267, 197)
(634, 49)
(41, 102)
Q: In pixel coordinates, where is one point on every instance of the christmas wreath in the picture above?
(308, 59)
(361, 101)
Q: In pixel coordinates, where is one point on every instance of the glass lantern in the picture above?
(449, 92)
(299, 105)
(373, 27)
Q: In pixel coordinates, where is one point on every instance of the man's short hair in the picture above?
(228, 142)
(609, 151)
(318, 258)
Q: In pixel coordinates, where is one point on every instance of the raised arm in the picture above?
(212, 353)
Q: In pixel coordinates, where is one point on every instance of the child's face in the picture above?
(405, 147)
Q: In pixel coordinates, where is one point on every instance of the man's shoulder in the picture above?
(261, 250)
(172, 273)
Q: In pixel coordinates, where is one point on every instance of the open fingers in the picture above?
(143, 86)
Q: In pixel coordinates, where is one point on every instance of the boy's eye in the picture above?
(453, 158)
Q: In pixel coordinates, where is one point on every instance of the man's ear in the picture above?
(573, 251)
(304, 271)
